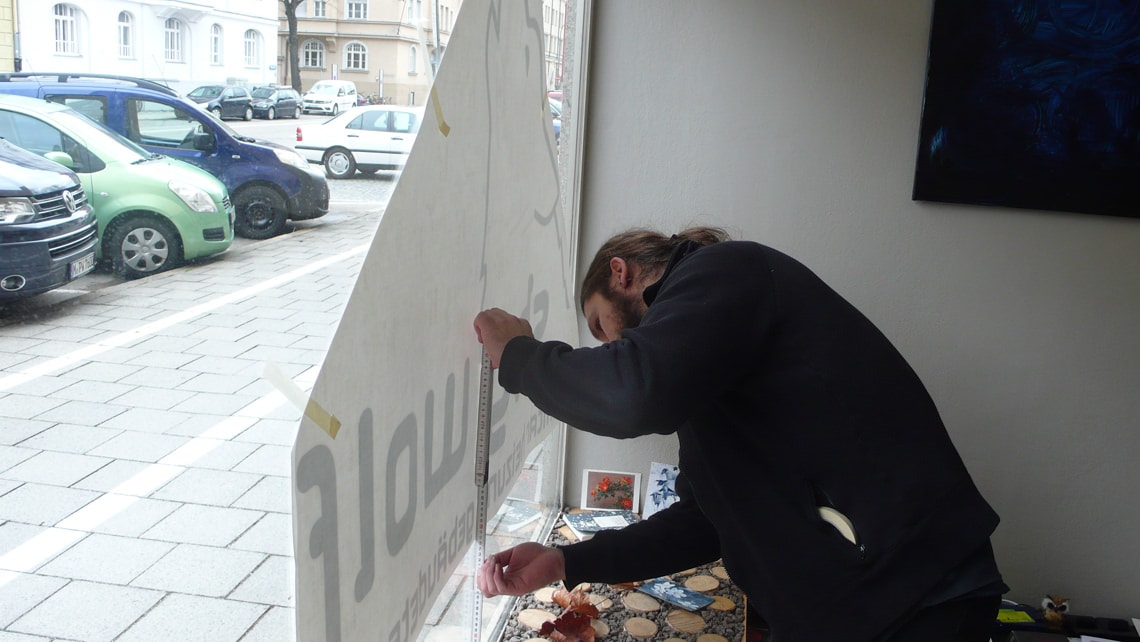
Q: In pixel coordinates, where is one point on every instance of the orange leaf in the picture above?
(575, 602)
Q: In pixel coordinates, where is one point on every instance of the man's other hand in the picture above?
(520, 570)
(495, 328)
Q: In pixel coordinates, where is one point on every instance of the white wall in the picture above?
(795, 123)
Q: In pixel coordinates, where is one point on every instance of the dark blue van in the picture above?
(268, 183)
(47, 230)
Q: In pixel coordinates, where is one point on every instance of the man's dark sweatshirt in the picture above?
(784, 398)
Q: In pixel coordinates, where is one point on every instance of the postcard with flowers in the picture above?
(661, 490)
(611, 490)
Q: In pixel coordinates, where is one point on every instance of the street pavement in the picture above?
(144, 457)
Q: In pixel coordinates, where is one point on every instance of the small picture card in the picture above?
(661, 491)
(611, 490)
(592, 521)
(676, 594)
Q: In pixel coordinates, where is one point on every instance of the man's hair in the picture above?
(649, 249)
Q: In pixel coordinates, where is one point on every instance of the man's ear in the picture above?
(620, 273)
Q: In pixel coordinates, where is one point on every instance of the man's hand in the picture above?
(522, 569)
(495, 328)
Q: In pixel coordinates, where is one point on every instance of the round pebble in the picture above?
(685, 622)
(720, 572)
(545, 595)
(535, 618)
(601, 629)
(702, 583)
(640, 602)
(640, 627)
(721, 603)
(601, 602)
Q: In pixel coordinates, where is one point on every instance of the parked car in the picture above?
(330, 97)
(153, 212)
(556, 114)
(48, 232)
(224, 101)
(276, 102)
(269, 183)
(368, 139)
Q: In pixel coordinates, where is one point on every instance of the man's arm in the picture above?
(674, 539)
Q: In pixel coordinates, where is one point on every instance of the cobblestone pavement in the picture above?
(144, 459)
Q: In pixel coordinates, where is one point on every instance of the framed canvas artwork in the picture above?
(1033, 104)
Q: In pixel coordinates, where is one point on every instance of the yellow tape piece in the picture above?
(313, 410)
(444, 128)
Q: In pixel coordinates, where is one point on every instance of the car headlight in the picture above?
(16, 210)
(291, 157)
(195, 197)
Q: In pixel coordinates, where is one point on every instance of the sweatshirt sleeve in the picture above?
(674, 539)
(702, 333)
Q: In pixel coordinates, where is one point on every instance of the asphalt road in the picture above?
(348, 198)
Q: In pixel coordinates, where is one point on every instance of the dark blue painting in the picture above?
(1033, 104)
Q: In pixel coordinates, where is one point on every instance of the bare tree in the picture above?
(292, 51)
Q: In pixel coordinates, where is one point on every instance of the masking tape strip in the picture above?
(444, 128)
(302, 401)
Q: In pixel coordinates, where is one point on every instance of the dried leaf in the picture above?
(575, 601)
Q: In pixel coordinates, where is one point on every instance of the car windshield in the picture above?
(205, 92)
(328, 90)
(264, 92)
(96, 136)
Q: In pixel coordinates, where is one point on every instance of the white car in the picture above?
(369, 139)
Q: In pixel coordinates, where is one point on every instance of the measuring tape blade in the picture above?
(482, 454)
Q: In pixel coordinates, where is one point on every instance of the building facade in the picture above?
(7, 35)
(386, 47)
(183, 43)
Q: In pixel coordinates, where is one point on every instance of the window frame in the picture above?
(355, 50)
(66, 24)
(173, 40)
(356, 9)
(217, 43)
(126, 33)
(317, 50)
(251, 41)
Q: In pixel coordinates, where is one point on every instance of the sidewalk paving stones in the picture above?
(145, 489)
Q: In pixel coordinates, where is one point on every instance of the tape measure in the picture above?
(482, 454)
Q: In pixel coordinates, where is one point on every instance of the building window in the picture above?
(216, 45)
(320, 8)
(313, 54)
(252, 48)
(66, 34)
(172, 40)
(413, 57)
(357, 9)
(126, 35)
(356, 56)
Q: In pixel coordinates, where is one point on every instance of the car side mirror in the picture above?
(204, 142)
(63, 158)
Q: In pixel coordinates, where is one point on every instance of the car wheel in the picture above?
(271, 114)
(141, 245)
(217, 112)
(339, 163)
(248, 113)
(259, 212)
(335, 109)
(296, 113)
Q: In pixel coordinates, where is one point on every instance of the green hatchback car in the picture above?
(153, 212)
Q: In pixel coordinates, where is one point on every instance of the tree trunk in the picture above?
(292, 51)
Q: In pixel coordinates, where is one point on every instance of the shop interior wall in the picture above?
(795, 123)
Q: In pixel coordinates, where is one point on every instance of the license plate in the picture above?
(81, 266)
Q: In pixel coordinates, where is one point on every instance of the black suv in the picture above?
(268, 183)
(48, 232)
(224, 101)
